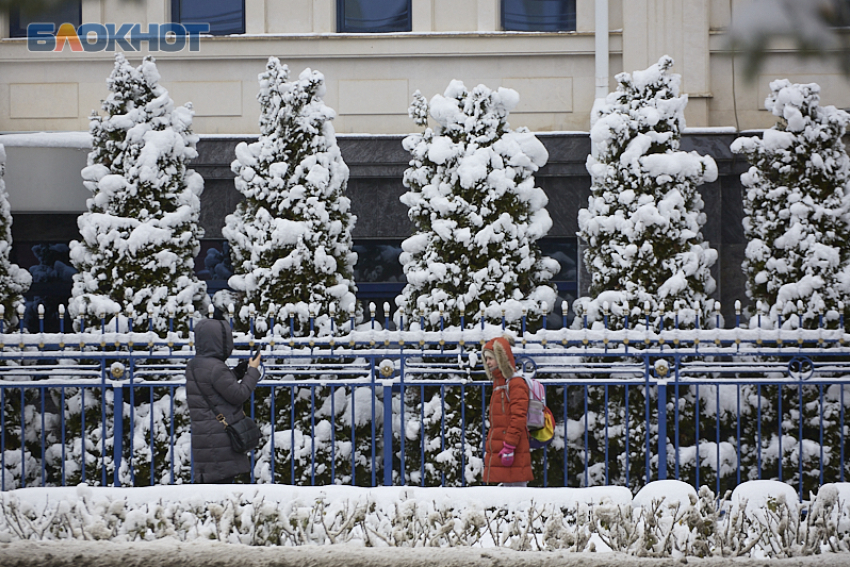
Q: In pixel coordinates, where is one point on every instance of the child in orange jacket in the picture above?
(507, 459)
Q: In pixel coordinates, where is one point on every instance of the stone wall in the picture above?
(377, 164)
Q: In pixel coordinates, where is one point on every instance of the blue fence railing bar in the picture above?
(374, 406)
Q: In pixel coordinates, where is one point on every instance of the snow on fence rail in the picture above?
(407, 407)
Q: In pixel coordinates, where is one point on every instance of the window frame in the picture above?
(502, 10)
(16, 31)
(175, 17)
(341, 28)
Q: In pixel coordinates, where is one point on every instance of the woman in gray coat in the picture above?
(215, 462)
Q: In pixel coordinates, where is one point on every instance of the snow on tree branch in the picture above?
(797, 209)
(141, 232)
(644, 217)
(14, 281)
(476, 210)
(295, 223)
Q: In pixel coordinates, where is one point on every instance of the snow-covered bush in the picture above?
(477, 216)
(797, 209)
(159, 414)
(324, 446)
(21, 444)
(476, 212)
(87, 452)
(797, 221)
(14, 281)
(778, 427)
(644, 216)
(606, 441)
(83, 418)
(320, 435)
(438, 451)
(140, 233)
(645, 253)
(290, 239)
(672, 520)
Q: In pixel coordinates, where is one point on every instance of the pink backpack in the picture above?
(536, 404)
(526, 369)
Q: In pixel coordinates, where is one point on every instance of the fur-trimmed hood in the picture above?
(501, 349)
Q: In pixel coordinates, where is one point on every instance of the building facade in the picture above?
(374, 55)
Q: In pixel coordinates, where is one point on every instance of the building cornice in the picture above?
(346, 46)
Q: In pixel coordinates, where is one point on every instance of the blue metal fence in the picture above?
(708, 406)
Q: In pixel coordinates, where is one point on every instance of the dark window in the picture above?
(373, 16)
(377, 262)
(565, 251)
(50, 267)
(69, 11)
(380, 278)
(378, 274)
(224, 16)
(539, 15)
(212, 264)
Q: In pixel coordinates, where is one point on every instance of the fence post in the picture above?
(118, 429)
(388, 432)
(662, 430)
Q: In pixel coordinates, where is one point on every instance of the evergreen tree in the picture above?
(290, 239)
(644, 216)
(140, 234)
(324, 435)
(476, 211)
(14, 281)
(797, 208)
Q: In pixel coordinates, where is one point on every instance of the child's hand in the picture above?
(507, 454)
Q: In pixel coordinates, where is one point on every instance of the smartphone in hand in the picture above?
(255, 356)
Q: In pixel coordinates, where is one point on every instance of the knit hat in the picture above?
(501, 349)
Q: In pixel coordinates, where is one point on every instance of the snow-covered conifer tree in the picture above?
(290, 238)
(14, 281)
(797, 208)
(476, 211)
(644, 216)
(140, 233)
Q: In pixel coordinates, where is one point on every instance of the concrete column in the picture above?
(92, 11)
(601, 47)
(255, 16)
(157, 11)
(585, 15)
(4, 24)
(678, 28)
(489, 15)
(324, 16)
(422, 15)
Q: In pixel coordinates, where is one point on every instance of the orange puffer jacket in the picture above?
(508, 411)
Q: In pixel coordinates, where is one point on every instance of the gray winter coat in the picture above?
(211, 452)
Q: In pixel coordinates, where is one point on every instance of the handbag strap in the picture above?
(219, 416)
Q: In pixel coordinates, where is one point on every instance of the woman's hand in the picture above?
(255, 362)
(507, 454)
